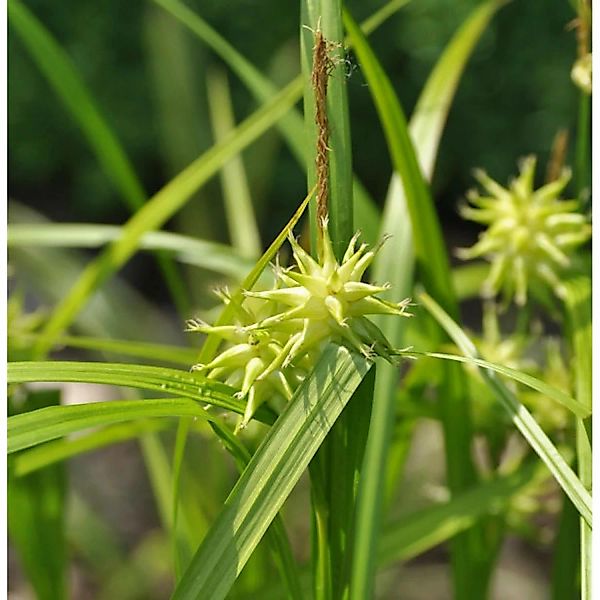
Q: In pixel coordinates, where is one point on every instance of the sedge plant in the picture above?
(294, 402)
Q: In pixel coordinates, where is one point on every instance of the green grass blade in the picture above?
(36, 520)
(292, 126)
(161, 480)
(211, 256)
(243, 229)
(39, 426)
(382, 15)
(418, 532)
(520, 416)
(433, 105)
(276, 534)
(342, 453)
(272, 474)
(57, 68)
(395, 264)
(564, 582)
(579, 314)
(429, 245)
(534, 383)
(433, 266)
(155, 379)
(117, 309)
(158, 210)
(142, 350)
(180, 557)
(327, 14)
(38, 457)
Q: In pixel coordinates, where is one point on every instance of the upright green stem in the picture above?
(330, 168)
(579, 319)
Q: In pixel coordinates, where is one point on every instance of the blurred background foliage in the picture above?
(149, 77)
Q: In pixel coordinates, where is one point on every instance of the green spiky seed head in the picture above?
(530, 233)
(314, 302)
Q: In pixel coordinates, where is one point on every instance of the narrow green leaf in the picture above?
(536, 384)
(36, 519)
(468, 558)
(520, 416)
(156, 379)
(564, 582)
(38, 457)
(161, 481)
(272, 474)
(418, 532)
(579, 313)
(180, 556)
(395, 264)
(429, 245)
(141, 350)
(158, 210)
(39, 426)
(117, 309)
(433, 105)
(58, 69)
(382, 15)
(326, 15)
(578, 303)
(276, 534)
(198, 253)
(292, 126)
(243, 229)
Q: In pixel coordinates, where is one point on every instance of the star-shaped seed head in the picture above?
(530, 235)
(278, 334)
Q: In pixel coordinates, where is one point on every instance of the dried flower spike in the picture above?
(530, 232)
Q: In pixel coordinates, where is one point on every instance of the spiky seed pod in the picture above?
(275, 345)
(329, 301)
(530, 233)
(249, 355)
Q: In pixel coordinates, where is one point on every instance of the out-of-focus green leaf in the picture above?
(57, 68)
(38, 457)
(468, 556)
(141, 350)
(520, 416)
(157, 211)
(39, 426)
(198, 253)
(578, 302)
(243, 229)
(395, 264)
(262, 89)
(418, 532)
(534, 383)
(36, 513)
